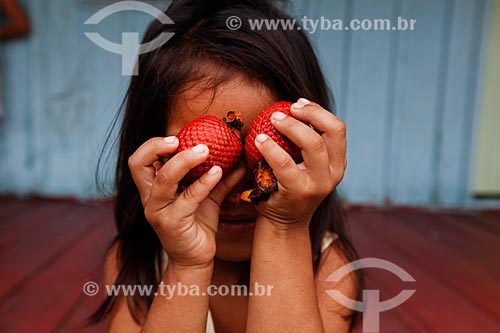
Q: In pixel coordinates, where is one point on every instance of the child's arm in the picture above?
(281, 254)
(181, 313)
(282, 259)
(186, 224)
(167, 314)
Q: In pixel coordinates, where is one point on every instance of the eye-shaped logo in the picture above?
(371, 306)
(130, 48)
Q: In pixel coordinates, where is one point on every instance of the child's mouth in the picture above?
(237, 225)
(234, 220)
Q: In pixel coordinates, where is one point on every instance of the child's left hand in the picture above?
(302, 187)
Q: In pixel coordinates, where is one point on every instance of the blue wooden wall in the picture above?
(408, 97)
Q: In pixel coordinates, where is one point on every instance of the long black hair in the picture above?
(282, 60)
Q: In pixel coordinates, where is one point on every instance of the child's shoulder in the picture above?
(111, 268)
(333, 255)
(332, 258)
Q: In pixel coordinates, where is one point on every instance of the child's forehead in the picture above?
(237, 94)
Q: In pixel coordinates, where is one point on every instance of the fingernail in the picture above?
(261, 138)
(304, 101)
(298, 105)
(279, 116)
(301, 102)
(213, 170)
(199, 148)
(169, 139)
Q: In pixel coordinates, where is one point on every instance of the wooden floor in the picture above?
(49, 249)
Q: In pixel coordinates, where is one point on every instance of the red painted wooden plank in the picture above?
(491, 219)
(8, 206)
(371, 238)
(401, 318)
(459, 269)
(411, 309)
(458, 233)
(27, 221)
(42, 302)
(37, 250)
(391, 322)
(486, 223)
(18, 212)
(436, 301)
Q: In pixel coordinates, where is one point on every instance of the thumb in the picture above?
(227, 184)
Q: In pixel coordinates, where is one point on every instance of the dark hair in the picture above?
(283, 61)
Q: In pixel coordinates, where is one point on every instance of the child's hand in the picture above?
(186, 223)
(302, 187)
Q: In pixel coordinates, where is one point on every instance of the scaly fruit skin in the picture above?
(265, 181)
(262, 124)
(223, 142)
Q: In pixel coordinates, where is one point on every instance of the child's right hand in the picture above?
(186, 223)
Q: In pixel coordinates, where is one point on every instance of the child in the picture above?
(289, 244)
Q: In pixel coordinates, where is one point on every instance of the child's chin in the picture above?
(231, 252)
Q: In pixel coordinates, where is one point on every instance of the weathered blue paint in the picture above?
(408, 98)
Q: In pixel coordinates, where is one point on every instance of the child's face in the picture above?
(234, 242)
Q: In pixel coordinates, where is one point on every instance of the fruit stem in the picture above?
(265, 184)
(234, 120)
(244, 196)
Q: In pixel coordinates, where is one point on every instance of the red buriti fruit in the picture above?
(262, 124)
(222, 138)
(265, 182)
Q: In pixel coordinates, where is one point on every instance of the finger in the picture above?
(284, 167)
(313, 113)
(227, 183)
(309, 141)
(167, 179)
(190, 199)
(143, 163)
(332, 129)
